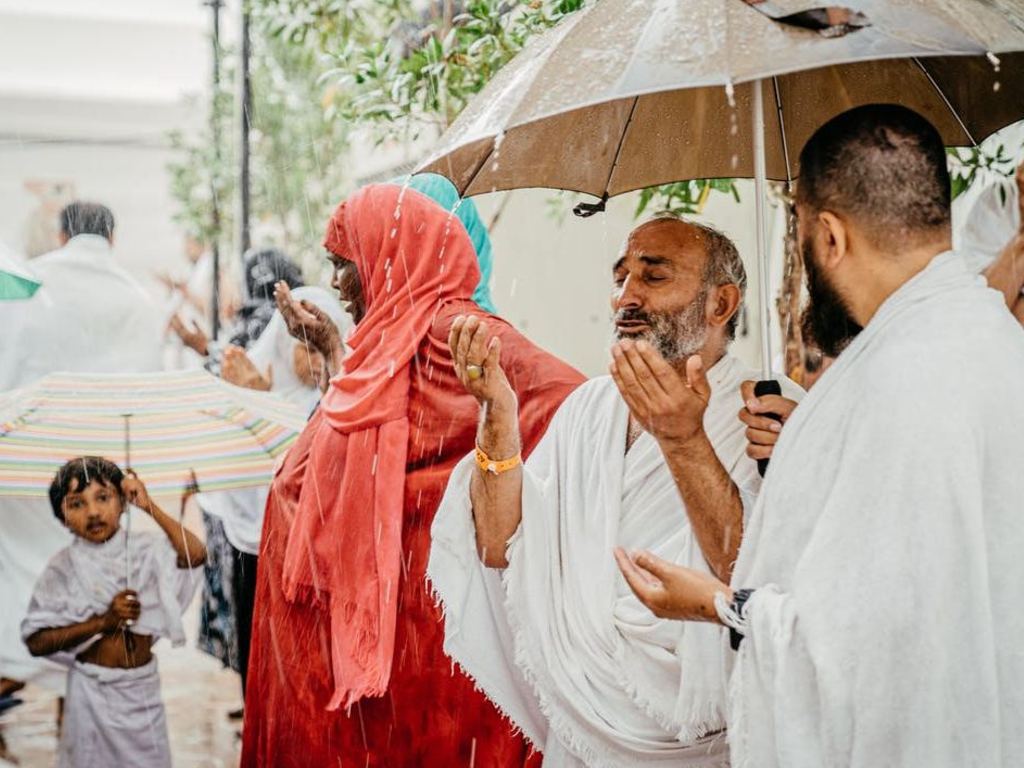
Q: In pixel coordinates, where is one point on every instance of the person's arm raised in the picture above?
(190, 550)
(309, 324)
(671, 409)
(496, 495)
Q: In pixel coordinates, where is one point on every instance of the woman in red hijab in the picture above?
(347, 666)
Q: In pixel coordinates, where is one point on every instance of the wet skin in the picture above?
(345, 280)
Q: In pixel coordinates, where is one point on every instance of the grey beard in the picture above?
(678, 335)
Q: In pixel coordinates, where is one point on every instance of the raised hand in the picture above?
(671, 591)
(477, 360)
(763, 432)
(308, 323)
(135, 491)
(124, 611)
(193, 337)
(667, 405)
(236, 368)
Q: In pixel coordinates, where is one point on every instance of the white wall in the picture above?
(89, 90)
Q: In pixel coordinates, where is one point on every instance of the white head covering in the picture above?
(275, 346)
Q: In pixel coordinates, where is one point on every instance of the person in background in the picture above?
(263, 267)
(99, 607)
(218, 629)
(992, 240)
(296, 372)
(875, 603)
(89, 316)
(347, 661)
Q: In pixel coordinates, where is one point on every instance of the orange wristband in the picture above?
(487, 464)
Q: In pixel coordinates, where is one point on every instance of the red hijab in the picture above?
(413, 258)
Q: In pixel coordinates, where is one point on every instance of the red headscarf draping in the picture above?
(413, 258)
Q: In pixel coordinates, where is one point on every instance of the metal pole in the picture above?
(763, 275)
(246, 123)
(215, 6)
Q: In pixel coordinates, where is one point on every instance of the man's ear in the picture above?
(723, 303)
(835, 235)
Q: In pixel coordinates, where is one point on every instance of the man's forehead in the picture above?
(671, 239)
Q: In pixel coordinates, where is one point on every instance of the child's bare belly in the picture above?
(121, 651)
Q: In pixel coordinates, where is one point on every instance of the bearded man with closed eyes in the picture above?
(650, 457)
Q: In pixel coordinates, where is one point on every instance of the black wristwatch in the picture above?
(737, 606)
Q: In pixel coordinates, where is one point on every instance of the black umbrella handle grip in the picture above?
(761, 388)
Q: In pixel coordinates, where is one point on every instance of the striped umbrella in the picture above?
(175, 429)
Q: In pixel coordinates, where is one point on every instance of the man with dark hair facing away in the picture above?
(875, 603)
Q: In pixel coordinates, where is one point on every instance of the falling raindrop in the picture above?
(497, 151)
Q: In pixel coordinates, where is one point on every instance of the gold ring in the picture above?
(474, 371)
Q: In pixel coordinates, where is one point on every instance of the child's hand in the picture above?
(124, 611)
(136, 492)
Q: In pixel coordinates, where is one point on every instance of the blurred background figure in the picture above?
(262, 268)
(992, 238)
(296, 372)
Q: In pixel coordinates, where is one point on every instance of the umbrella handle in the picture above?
(761, 388)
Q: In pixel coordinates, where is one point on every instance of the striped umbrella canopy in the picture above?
(165, 426)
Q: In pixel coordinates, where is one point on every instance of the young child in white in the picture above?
(100, 614)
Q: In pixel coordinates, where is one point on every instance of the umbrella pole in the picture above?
(767, 385)
(763, 275)
(127, 508)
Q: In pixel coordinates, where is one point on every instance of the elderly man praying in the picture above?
(652, 456)
(877, 605)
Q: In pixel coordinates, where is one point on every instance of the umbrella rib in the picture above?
(618, 149)
(476, 171)
(945, 100)
(782, 132)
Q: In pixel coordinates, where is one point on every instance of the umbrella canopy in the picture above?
(15, 280)
(165, 426)
(627, 94)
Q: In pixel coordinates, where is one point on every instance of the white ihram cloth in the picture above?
(241, 511)
(89, 316)
(558, 640)
(993, 221)
(887, 548)
(113, 717)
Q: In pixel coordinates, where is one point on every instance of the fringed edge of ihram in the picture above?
(588, 750)
(439, 602)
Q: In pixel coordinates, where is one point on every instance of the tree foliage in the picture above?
(297, 167)
(407, 68)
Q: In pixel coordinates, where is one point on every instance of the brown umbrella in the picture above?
(627, 94)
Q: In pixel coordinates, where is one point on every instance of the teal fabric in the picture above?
(443, 192)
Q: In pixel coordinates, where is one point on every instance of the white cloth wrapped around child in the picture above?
(113, 716)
